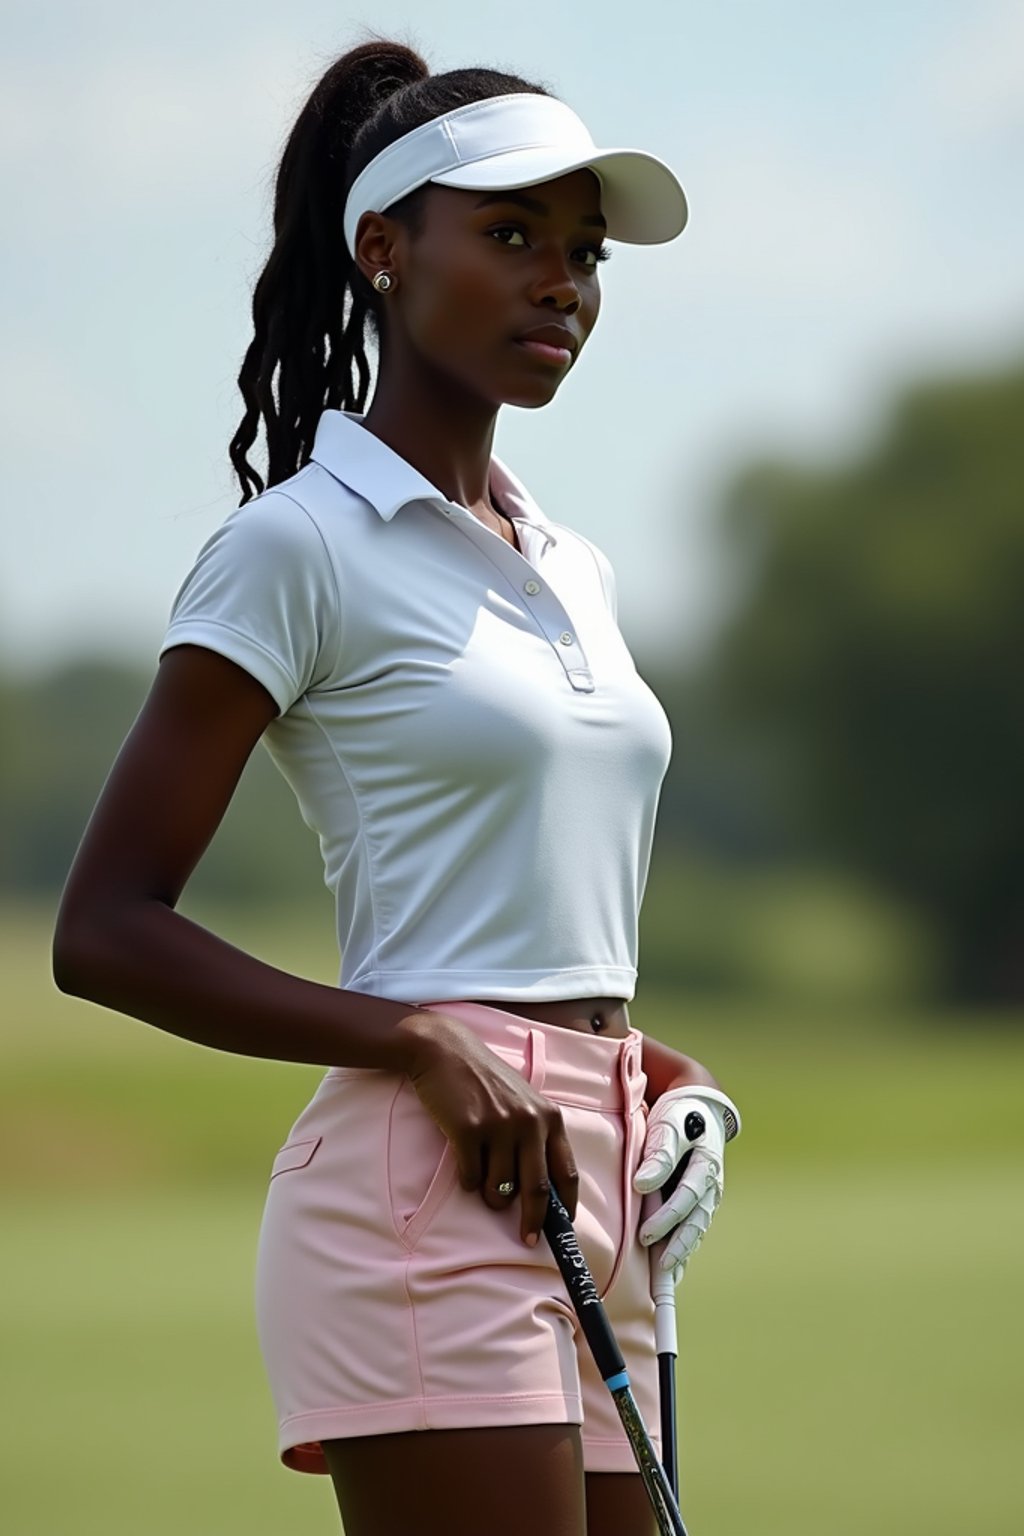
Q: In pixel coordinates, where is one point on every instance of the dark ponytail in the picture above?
(311, 304)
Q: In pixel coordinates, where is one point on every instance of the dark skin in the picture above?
(473, 280)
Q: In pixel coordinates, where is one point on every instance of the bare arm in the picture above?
(666, 1068)
(119, 940)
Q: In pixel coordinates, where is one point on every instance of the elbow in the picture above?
(96, 945)
(80, 950)
(69, 952)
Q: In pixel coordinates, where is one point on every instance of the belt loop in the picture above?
(625, 1076)
(538, 1060)
(632, 1073)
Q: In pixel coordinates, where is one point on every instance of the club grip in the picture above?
(558, 1230)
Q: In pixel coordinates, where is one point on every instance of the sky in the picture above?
(854, 176)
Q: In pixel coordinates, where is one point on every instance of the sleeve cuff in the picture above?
(239, 648)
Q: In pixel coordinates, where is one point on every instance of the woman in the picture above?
(436, 668)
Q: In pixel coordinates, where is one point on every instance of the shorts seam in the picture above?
(422, 1396)
(438, 1398)
(605, 1440)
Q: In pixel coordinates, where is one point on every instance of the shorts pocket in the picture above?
(421, 1165)
(295, 1154)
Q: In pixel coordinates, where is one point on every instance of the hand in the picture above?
(672, 1133)
(501, 1128)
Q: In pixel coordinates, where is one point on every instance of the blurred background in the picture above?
(798, 435)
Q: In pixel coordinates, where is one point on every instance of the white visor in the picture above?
(518, 141)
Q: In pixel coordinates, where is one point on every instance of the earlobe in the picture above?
(375, 245)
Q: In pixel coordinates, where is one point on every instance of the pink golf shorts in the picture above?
(388, 1298)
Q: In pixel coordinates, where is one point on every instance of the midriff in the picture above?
(593, 1015)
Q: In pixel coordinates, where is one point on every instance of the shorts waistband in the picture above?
(593, 1071)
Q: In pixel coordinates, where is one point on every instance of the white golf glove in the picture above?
(688, 1211)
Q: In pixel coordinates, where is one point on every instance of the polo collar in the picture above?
(368, 466)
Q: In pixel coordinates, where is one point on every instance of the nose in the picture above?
(557, 285)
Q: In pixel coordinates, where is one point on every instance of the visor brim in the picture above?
(641, 198)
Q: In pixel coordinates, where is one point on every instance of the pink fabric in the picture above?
(388, 1298)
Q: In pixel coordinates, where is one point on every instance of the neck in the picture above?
(445, 433)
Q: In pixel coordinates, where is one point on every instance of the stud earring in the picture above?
(382, 281)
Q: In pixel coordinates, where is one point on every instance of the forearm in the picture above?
(149, 961)
(666, 1068)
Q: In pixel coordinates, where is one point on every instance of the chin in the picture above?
(530, 405)
(531, 399)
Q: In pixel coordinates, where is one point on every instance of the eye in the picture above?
(506, 229)
(599, 252)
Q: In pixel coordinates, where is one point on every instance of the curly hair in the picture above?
(311, 306)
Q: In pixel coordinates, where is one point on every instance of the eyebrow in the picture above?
(533, 206)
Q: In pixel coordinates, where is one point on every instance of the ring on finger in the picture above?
(507, 1187)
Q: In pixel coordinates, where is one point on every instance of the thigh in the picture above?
(461, 1482)
(618, 1502)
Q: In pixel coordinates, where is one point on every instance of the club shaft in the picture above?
(663, 1501)
(663, 1291)
(666, 1384)
(597, 1331)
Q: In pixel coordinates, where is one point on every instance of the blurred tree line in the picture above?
(857, 718)
(862, 705)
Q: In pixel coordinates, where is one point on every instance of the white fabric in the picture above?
(685, 1216)
(517, 141)
(462, 724)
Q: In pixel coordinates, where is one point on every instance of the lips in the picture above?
(556, 337)
(549, 354)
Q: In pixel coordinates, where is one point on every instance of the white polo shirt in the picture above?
(462, 725)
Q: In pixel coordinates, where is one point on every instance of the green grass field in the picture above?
(850, 1333)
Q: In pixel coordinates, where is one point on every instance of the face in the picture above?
(486, 269)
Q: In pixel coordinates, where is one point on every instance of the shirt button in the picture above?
(566, 637)
(533, 587)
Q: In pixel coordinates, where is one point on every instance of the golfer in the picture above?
(435, 666)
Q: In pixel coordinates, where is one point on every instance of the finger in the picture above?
(667, 1152)
(536, 1189)
(674, 1211)
(561, 1164)
(678, 1271)
(653, 1172)
(469, 1159)
(500, 1170)
(661, 1153)
(684, 1244)
(701, 1185)
(687, 1238)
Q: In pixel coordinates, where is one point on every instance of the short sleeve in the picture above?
(262, 592)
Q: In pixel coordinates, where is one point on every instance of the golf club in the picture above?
(663, 1292)
(583, 1294)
